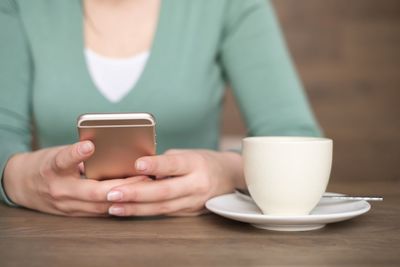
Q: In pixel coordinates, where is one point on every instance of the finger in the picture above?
(87, 189)
(69, 157)
(150, 209)
(80, 208)
(85, 214)
(152, 191)
(174, 151)
(164, 165)
(76, 214)
(56, 211)
(81, 168)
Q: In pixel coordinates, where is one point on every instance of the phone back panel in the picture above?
(118, 143)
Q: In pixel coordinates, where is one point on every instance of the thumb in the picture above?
(69, 157)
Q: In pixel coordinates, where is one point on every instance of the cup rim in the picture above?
(286, 139)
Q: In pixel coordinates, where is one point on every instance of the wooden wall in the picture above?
(348, 55)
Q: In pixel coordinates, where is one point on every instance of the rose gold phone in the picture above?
(119, 139)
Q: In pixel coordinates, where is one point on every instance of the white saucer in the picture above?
(242, 208)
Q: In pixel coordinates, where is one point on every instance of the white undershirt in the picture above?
(115, 77)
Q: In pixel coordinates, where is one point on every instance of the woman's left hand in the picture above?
(186, 179)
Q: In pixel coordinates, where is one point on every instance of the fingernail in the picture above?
(116, 210)
(141, 165)
(114, 196)
(85, 148)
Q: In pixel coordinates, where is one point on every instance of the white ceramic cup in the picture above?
(287, 175)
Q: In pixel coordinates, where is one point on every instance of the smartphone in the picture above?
(119, 139)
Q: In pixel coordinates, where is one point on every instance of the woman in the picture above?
(61, 59)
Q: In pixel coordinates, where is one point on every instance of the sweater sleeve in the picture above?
(15, 88)
(258, 67)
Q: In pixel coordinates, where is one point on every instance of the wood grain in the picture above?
(347, 54)
(28, 238)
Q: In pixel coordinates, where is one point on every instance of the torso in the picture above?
(118, 35)
(115, 77)
(195, 43)
(181, 84)
(120, 28)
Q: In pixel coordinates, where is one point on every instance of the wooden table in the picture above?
(29, 238)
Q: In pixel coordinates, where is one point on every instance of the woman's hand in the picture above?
(186, 179)
(49, 180)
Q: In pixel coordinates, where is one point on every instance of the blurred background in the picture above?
(347, 53)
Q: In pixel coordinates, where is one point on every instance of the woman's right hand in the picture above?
(49, 180)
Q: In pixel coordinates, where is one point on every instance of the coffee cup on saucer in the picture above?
(287, 176)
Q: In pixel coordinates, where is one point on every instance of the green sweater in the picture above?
(199, 46)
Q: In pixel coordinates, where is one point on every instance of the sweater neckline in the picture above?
(151, 61)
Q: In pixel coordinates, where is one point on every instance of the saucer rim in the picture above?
(304, 218)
